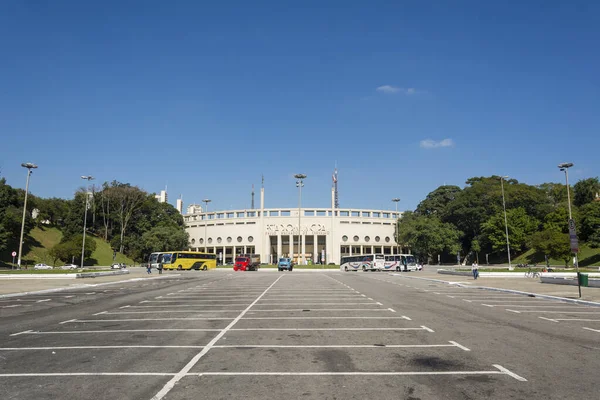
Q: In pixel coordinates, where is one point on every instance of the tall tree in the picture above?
(520, 228)
(589, 226)
(552, 243)
(128, 199)
(436, 202)
(585, 191)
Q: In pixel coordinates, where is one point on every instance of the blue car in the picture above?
(285, 264)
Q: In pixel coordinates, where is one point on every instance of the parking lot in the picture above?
(273, 335)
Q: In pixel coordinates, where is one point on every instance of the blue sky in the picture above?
(205, 97)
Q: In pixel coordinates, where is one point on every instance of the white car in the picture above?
(69, 266)
(118, 266)
(42, 266)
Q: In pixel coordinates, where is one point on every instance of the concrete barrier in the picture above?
(572, 281)
(108, 273)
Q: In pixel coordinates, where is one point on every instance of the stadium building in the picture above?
(307, 235)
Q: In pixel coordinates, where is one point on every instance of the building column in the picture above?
(292, 246)
(303, 246)
(278, 246)
(350, 250)
(315, 249)
(361, 250)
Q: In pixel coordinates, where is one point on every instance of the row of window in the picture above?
(366, 239)
(251, 239)
(287, 213)
(219, 240)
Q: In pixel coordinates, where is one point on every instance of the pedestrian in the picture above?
(160, 268)
(475, 270)
(149, 268)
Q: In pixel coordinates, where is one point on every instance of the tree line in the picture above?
(453, 222)
(129, 218)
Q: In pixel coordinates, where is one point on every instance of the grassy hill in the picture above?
(41, 240)
(587, 257)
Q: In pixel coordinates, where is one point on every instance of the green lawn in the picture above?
(104, 254)
(587, 257)
(41, 240)
(47, 271)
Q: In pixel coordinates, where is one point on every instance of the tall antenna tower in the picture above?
(252, 206)
(335, 186)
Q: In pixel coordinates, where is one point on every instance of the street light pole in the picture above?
(299, 184)
(206, 201)
(87, 178)
(502, 178)
(565, 167)
(29, 167)
(396, 200)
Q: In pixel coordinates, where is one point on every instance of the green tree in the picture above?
(589, 227)
(585, 191)
(428, 236)
(552, 243)
(436, 202)
(520, 228)
(70, 249)
(557, 220)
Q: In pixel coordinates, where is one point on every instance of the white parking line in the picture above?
(20, 333)
(528, 306)
(169, 385)
(406, 318)
(422, 328)
(500, 371)
(548, 319)
(64, 322)
(284, 318)
(557, 312)
(12, 306)
(590, 329)
(575, 319)
(30, 332)
(391, 309)
(42, 301)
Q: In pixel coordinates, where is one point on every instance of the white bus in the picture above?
(364, 262)
(400, 262)
(155, 259)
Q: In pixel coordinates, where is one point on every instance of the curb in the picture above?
(81, 286)
(63, 276)
(541, 296)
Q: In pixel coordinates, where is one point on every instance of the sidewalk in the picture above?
(26, 285)
(529, 285)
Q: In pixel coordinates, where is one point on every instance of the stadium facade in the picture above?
(308, 235)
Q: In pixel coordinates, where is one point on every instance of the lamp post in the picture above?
(396, 200)
(502, 178)
(206, 201)
(87, 178)
(565, 167)
(29, 167)
(299, 184)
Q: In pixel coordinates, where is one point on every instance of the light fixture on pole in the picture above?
(565, 167)
(87, 178)
(29, 167)
(502, 178)
(299, 184)
(396, 200)
(206, 201)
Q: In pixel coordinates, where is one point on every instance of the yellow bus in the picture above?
(181, 260)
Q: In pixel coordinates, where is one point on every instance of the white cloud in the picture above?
(431, 144)
(394, 89)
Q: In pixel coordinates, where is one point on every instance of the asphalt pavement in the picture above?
(300, 334)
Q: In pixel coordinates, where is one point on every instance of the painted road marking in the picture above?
(20, 333)
(30, 332)
(41, 301)
(590, 329)
(556, 312)
(176, 377)
(406, 318)
(334, 329)
(241, 346)
(548, 319)
(391, 309)
(169, 385)
(575, 319)
(527, 306)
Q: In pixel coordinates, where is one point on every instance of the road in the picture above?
(301, 334)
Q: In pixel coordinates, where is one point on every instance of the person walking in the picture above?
(475, 270)
(149, 268)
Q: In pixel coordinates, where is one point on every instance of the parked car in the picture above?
(42, 266)
(69, 266)
(118, 266)
(285, 263)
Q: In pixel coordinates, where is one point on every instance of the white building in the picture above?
(162, 197)
(326, 234)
